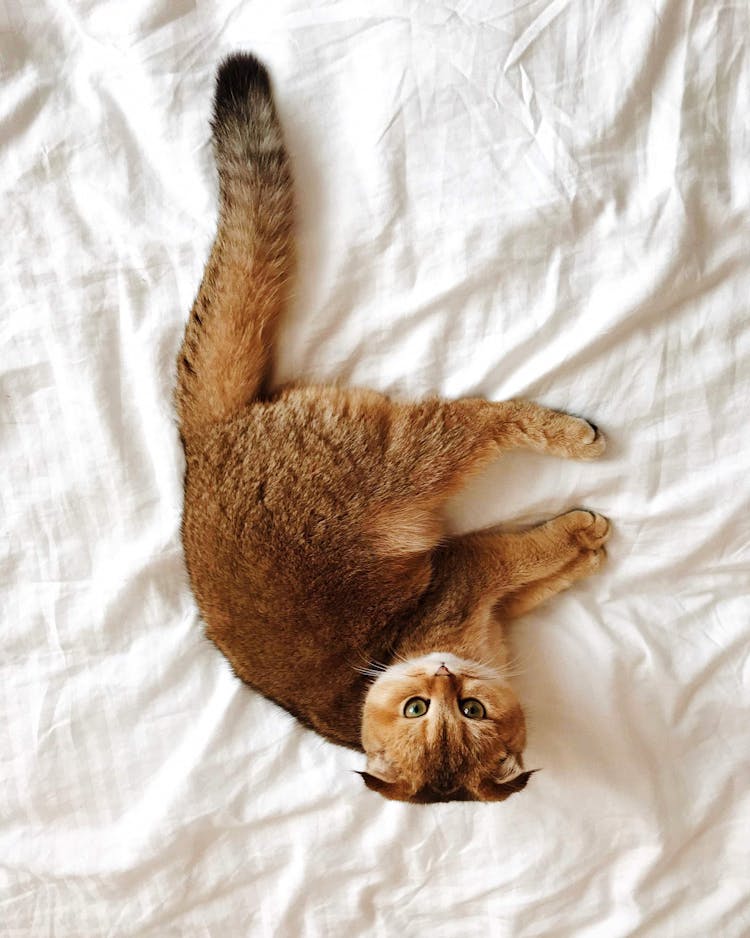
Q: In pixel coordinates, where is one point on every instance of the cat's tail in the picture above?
(226, 353)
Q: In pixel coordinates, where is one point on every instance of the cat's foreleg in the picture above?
(434, 447)
(533, 594)
(519, 566)
(532, 565)
(474, 573)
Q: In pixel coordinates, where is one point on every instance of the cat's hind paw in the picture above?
(569, 436)
(585, 439)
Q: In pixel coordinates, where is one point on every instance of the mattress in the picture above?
(544, 199)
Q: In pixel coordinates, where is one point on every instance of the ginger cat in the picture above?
(313, 527)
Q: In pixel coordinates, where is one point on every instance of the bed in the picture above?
(541, 199)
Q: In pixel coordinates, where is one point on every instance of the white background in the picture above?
(546, 199)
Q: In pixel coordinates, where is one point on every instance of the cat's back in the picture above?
(284, 466)
(280, 503)
(296, 490)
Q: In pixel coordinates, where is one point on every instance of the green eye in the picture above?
(472, 709)
(416, 707)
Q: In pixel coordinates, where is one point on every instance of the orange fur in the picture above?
(313, 526)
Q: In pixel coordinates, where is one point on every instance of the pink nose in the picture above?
(442, 671)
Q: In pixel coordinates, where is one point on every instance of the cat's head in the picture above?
(441, 728)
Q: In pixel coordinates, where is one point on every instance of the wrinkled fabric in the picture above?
(547, 199)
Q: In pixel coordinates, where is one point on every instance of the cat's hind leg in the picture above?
(435, 446)
(524, 424)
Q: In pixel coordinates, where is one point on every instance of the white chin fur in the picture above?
(428, 664)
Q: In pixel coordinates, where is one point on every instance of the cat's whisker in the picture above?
(370, 672)
(512, 672)
(518, 659)
(373, 668)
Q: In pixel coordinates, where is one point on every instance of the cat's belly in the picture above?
(281, 532)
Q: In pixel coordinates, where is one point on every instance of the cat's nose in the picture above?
(442, 671)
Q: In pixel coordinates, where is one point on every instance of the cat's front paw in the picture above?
(590, 530)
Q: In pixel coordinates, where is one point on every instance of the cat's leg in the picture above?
(475, 572)
(524, 567)
(471, 426)
(528, 597)
(434, 446)
(413, 457)
(524, 424)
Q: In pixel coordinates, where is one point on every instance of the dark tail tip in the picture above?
(240, 77)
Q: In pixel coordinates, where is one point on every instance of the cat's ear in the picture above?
(381, 776)
(493, 790)
(510, 767)
(381, 767)
(394, 791)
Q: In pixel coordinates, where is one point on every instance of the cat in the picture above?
(313, 524)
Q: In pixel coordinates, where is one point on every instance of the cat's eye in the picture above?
(472, 709)
(416, 707)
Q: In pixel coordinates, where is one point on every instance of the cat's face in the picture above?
(440, 728)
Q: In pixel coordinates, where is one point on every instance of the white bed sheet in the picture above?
(546, 199)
